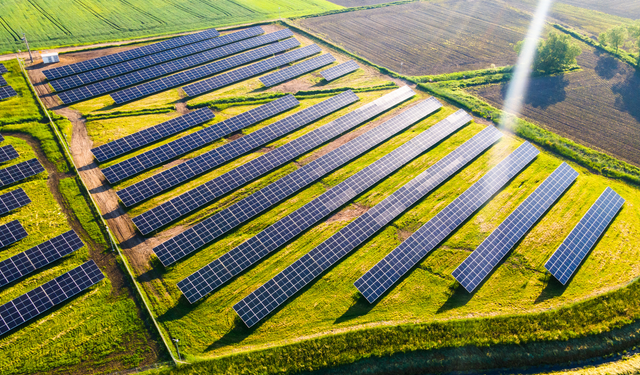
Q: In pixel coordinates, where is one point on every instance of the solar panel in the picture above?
(115, 58)
(31, 304)
(91, 76)
(248, 253)
(20, 171)
(339, 70)
(296, 70)
(12, 200)
(3, 69)
(11, 232)
(209, 160)
(494, 248)
(565, 260)
(7, 92)
(196, 140)
(1, 138)
(3, 82)
(147, 136)
(274, 292)
(246, 72)
(149, 88)
(37, 257)
(8, 153)
(238, 213)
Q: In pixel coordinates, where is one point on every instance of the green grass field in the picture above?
(52, 23)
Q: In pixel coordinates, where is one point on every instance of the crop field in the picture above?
(359, 3)
(426, 38)
(51, 23)
(621, 8)
(598, 106)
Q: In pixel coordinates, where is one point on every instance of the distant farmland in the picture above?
(359, 3)
(428, 38)
(598, 106)
(622, 8)
(50, 23)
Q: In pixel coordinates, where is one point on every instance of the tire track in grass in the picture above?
(51, 19)
(98, 15)
(142, 11)
(9, 29)
(185, 9)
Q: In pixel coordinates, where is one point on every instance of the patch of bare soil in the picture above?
(349, 213)
(403, 234)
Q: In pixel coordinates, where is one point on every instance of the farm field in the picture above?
(598, 106)
(621, 8)
(53, 23)
(359, 3)
(425, 38)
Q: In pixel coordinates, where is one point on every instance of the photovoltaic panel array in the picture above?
(196, 140)
(147, 136)
(339, 70)
(37, 257)
(139, 76)
(3, 69)
(296, 70)
(119, 57)
(273, 293)
(7, 92)
(246, 72)
(248, 253)
(20, 171)
(565, 260)
(11, 232)
(494, 248)
(91, 76)
(8, 153)
(12, 200)
(33, 303)
(389, 270)
(218, 224)
(1, 138)
(207, 193)
(3, 82)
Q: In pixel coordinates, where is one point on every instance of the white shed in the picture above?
(49, 58)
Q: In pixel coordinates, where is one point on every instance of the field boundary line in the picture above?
(114, 246)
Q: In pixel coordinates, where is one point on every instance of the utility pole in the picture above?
(177, 348)
(279, 17)
(24, 39)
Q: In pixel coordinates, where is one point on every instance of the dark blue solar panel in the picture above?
(296, 70)
(3, 82)
(184, 145)
(246, 72)
(3, 69)
(229, 218)
(147, 136)
(7, 92)
(37, 257)
(20, 171)
(248, 253)
(339, 70)
(492, 250)
(567, 258)
(8, 153)
(269, 296)
(11, 232)
(209, 160)
(115, 58)
(22, 309)
(91, 76)
(1, 138)
(149, 88)
(12, 200)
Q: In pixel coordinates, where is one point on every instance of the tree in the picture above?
(602, 38)
(616, 37)
(554, 54)
(634, 32)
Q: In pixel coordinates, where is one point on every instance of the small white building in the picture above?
(50, 58)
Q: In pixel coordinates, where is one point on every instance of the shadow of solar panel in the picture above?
(38, 257)
(253, 70)
(3, 69)
(91, 76)
(269, 296)
(11, 232)
(339, 70)
(193, 141)
(115, 58)
(8, 153)
(209, 160)
(7, 92)
(3, 82)
(388, 271)
(296, 70)
(574, 249)
(147, 74)
(31, 304)
(12, 200)
(494, 248)
(248, 253)
(147, 136)
(20, 171)
(207, 230)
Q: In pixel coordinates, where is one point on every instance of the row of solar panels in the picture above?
(6, 91)
(234, 49)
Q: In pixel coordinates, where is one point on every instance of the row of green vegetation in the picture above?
(611, 43)
(139, 112)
